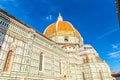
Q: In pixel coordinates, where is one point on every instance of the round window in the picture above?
(66, 40)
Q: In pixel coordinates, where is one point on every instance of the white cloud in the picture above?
(49, 17)
(116, 45)
(8, 0)
(107, 33)
(5, 3)
(114, 29)
(114, 54)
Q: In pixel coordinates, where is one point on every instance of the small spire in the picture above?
(60, 18)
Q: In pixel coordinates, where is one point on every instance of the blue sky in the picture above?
(96, 20)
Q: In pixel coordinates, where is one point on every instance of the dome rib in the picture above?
(63, 26)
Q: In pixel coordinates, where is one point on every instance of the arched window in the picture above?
(41, 62)
(83, 60)
(83, 75)
(92, 60)
(60, 62)
(100, 73)
(8, 62)
(2, 36)
(87, 58)
(66, 39)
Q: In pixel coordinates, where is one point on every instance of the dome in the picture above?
(61, 28)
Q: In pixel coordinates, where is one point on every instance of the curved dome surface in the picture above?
(61, 28)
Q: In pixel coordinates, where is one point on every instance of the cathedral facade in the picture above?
(57, 54)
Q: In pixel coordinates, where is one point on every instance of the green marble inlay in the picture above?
(18, 30)
(10, 78)
(37, 40)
